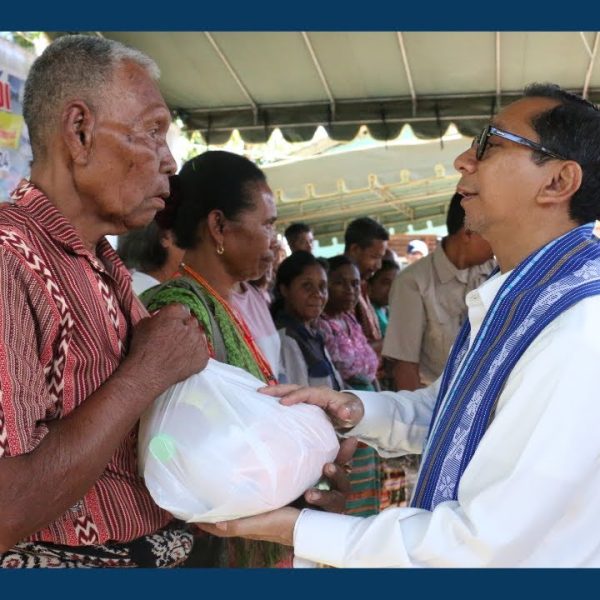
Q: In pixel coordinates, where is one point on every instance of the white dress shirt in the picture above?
(530, 495)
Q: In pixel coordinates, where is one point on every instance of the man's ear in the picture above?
(353, 250)
(562, 183)
(77, 130)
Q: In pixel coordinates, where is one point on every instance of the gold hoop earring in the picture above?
(220, 249)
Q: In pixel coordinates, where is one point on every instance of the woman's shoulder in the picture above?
(179, 290)
(293, 365)
(163, 293)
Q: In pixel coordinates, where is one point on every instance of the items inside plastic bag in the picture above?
(212, 448)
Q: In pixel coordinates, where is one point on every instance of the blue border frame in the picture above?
(460, 15)
(350, 584)
(286, 15)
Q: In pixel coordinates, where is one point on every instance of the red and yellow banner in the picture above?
(4, 95)
(11, 126)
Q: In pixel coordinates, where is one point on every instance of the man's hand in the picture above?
(37, 487)
(167, 348)
(276, 526)
(334, 500)
(345, 410)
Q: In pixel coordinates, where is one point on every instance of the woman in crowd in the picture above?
(350, 350)
(379, 287)
(301, 294)
(357, 363)
(397, 474)
(150, 254)
(222, 213)
(223, 216)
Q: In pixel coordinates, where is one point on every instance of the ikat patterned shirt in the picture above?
(65, 321)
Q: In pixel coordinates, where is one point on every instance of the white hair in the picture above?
(72, 66)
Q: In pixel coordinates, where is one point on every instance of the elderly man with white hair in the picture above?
(81, 359)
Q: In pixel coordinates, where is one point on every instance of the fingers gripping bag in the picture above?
(212, 448)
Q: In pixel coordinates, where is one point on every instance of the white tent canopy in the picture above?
(256, 81)
(398, 183)
(296, 81)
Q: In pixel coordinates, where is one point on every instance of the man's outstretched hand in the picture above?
(278, 525)
(344, 409)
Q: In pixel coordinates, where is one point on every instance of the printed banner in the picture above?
(11, 126)
(4, 96)
(15, 149)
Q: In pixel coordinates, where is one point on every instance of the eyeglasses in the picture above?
(480, 142)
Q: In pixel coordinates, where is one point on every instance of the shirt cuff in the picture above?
(378, 414)
(321, 537)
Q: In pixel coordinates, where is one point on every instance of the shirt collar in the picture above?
(283, 319)
(445, 270)
(488, 289)
(31, 199)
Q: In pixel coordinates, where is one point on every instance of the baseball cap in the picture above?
(418, 246)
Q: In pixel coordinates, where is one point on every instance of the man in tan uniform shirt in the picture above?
(427, 302)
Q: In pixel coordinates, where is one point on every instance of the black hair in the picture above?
(213, 180)
(290, 268)
(386, 265)
(455, 217)
(339, 261)
(294, 231)
(364, 232)
(571, 130)
(141, 249)
(324, 263)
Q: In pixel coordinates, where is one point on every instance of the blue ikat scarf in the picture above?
(545, 284)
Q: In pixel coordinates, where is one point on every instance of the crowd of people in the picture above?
(475, 431)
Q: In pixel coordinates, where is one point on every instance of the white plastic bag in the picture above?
(212, 448)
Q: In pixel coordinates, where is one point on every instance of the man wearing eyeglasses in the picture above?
(509, 475)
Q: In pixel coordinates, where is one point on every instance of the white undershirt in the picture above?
(142, 282)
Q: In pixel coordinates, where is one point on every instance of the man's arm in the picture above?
(527, 498)
(39, 485)
(377, 345)
(395, 423)
(406, 375)
(522, 498)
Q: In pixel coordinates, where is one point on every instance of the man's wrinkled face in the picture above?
(127, 176)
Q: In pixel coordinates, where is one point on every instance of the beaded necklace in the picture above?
(261, 361)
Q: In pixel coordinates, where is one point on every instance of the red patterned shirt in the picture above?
(65, 322)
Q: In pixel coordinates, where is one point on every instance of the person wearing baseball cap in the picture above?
(416, 250)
